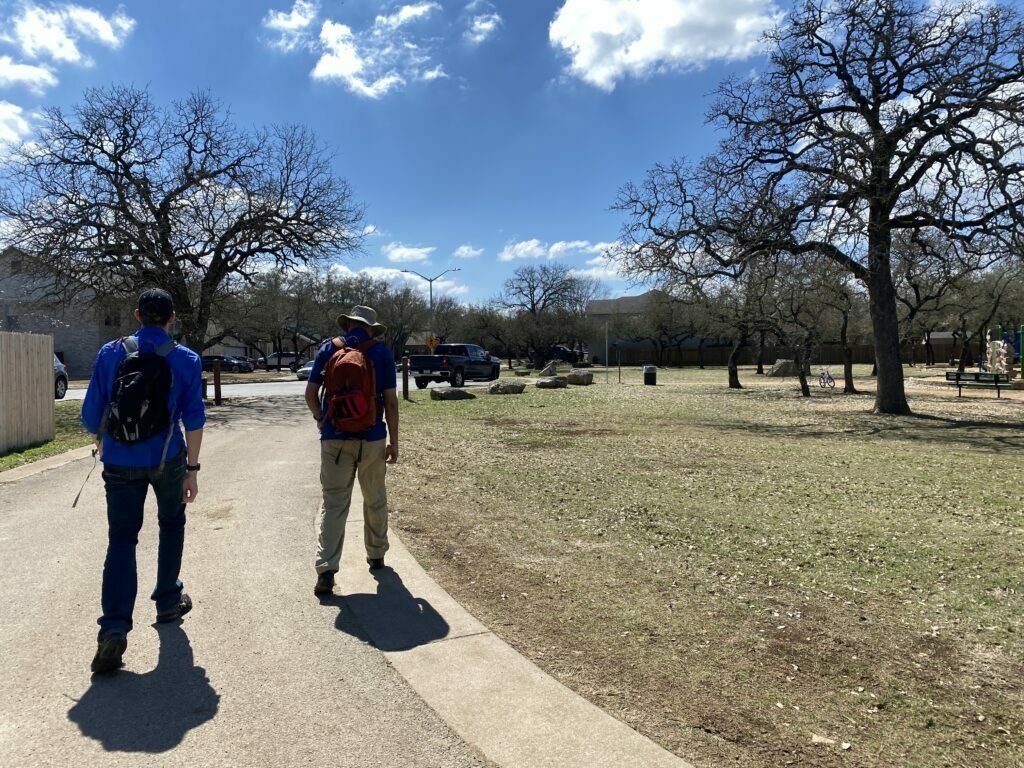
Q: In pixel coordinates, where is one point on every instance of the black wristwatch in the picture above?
(193, 467)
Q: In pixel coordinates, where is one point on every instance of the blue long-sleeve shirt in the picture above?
(186, 400)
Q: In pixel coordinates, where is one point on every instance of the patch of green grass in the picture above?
(734, 572)
(69, 434)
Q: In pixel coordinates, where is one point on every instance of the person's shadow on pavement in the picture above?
(152, 712)
(390, 620)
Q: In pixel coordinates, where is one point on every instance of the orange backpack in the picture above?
(350, 388)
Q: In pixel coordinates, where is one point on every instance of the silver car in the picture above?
(60, 379)
(304, 371)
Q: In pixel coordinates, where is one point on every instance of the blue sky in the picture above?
(480, 135)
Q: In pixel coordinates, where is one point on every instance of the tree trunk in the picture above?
(734, 374)
(890, 396)
(700, 354)
(800, 352)
(193, 331)
(929, 350)
(760, 354)
(848, 386)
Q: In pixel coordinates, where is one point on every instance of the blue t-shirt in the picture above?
(186, 400)
(384, 370)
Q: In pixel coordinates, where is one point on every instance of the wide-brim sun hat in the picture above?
(365, 315)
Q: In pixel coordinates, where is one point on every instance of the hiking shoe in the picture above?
(108, 654)
(183, 606)
(376, 563)
(324, 583)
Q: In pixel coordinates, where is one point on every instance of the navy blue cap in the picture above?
(156, 306)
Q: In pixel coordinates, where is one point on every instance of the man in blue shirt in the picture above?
(343, 455)
(168, 461)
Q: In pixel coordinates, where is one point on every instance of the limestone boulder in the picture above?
(524, 372)
(506, 387)
(451, 394)
(580, 378)
(552, 382)
(783, 369)
(549, 370)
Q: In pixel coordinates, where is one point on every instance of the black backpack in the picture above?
(140, 403)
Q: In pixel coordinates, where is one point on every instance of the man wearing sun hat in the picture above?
(347, 455)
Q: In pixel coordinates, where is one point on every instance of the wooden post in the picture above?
(405, 378)
(216, 382)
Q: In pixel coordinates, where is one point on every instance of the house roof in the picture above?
(624, 305)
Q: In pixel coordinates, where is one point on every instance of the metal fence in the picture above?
(26, 390)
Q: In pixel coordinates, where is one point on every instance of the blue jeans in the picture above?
(126, 498)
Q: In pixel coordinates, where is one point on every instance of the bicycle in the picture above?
(825, 379)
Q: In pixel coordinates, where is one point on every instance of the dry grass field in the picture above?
(748, 577)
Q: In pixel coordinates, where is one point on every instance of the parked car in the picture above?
(562, 353)
(454, 363)
(233, 364)
(304, 371)
(287, 360)
(60, 379)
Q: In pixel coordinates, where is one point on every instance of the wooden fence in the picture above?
(26, 390)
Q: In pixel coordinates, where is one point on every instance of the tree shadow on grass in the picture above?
(151, 712)
(392, 619)
(995, 436)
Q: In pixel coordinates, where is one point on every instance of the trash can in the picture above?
(650, 375)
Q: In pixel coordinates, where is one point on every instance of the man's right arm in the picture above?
(313, 403)
(96, 399)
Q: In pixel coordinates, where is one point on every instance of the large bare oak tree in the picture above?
(120, 194)
(871, 118)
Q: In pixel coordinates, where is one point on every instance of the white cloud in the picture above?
(398, 253)
(55, 32)
(292, 28)
(376, 61)
(13, 125)
(437, 73)
(535, 249)
(35, 78)
(482, 26)
(406, 14)
(608, 40)
(370, 230)
(601, 267)
(467, 252)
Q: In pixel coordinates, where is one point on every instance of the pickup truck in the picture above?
(454, 363)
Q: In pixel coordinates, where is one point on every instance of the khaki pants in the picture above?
(340, 462)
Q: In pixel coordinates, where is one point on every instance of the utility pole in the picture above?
(430, 282)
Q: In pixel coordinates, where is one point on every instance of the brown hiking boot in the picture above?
(324, 584)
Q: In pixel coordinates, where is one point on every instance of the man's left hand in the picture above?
(391, 453)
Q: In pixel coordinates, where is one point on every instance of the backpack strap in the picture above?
(166, 348)
(131, 346)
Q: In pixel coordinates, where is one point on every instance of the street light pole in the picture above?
(430, 283)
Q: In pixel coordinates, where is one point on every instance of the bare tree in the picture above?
(540, 299)
(874, 117)
(448, 314)
(120, 194)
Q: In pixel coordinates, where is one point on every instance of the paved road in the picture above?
(259, 674)
(272, 389)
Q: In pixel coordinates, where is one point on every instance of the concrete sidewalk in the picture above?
(390, 672)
